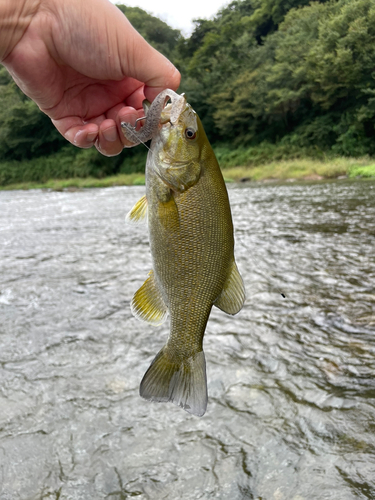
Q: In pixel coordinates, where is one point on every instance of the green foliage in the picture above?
(139, 181)
(71, 162)
(25, 132)
(76, 183)
(249, 156)
(272, 80)
(362, 171)
(303, 168)
(310, 83)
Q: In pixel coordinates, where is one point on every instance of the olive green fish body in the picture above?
(191, 239)
(192, 248)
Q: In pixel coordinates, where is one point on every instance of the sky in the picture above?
(178, 14)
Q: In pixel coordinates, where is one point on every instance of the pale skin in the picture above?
(84, 65)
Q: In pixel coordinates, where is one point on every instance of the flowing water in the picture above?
(291, 381)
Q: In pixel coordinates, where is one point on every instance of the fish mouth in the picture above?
(172, 163)
(166, 161)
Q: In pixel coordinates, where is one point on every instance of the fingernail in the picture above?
(77, 136)
(91, 136)
(110, 134)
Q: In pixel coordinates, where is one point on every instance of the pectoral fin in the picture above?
(232, 297)
(148, 304)
(139, 212)
(168, 215)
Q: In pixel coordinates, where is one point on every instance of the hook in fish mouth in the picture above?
(139, 120)
(154, 113)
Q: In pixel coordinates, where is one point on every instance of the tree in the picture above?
(312, 81)
(25, 131)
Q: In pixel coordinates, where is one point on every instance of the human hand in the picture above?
(84, 65)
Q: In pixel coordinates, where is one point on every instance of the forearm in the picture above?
(15, 17)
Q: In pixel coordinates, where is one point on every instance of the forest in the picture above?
(270, 79)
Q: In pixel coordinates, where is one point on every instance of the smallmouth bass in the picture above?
(192, 248)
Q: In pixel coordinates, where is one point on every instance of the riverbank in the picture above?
(299, 169)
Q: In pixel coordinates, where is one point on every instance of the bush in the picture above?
(71, 162)
(261, 154)
(362, 171)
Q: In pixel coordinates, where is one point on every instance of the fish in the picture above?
(190, 226)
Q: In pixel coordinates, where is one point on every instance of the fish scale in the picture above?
(192, 248)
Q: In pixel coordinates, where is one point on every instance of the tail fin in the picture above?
(180, 382)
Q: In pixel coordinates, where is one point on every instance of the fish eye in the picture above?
(190, 133)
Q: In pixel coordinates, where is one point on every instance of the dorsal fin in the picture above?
(232, 296)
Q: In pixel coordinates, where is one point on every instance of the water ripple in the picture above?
(290, 381)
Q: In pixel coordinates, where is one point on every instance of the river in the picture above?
(290, 380)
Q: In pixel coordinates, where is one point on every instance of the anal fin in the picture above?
(148, 304)
(232, 296)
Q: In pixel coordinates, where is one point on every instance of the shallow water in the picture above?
(291, 381)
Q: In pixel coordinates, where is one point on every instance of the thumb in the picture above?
(144, 63)
(104, 45)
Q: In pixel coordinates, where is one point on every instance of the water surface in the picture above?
(291, 381)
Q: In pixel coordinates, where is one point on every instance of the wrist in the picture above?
(15, 18)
